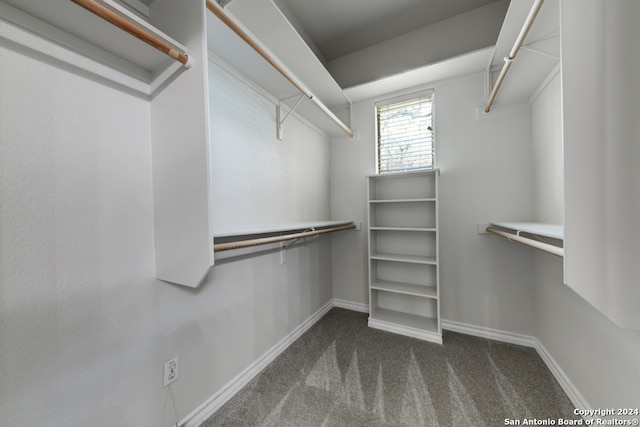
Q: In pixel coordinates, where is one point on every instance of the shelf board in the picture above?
(427, 229)
(67, 33)
(414, 259)
(272, 27)
(428, 324)
(555, 231)
(420, 327)
(405, 288)
(265, 21)
(431, 199)
(277, 228)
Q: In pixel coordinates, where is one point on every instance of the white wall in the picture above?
(84, 326)
(599, 358)
(485, 175)
(80, 327)
(258, 179)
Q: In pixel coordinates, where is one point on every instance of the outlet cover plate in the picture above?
(171, 371)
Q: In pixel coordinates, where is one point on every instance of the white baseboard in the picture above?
(570, 390)
(350, 305)
(528, 341)
(404, 330)
(492, 334)
(215, 402)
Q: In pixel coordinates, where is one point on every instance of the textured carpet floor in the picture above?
(343, 373)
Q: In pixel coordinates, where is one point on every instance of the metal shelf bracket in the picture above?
(279, 111)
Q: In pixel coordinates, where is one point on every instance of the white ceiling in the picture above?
(340, 27)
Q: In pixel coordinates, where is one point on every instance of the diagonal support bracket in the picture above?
(279, 112)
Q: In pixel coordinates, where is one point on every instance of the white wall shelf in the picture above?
(405, 324)
(545, 237)
(285, 236)
(265, 22)
(403, 229)
(555, 231)
(403, 254)
(405, 288)
(65, 32)
(403, 200)
(415, 259)
(277, 228)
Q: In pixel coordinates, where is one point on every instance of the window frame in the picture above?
(395, 100)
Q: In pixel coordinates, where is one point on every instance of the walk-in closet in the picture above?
(292, 212)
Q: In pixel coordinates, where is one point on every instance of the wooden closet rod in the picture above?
(266, 240)
(218, 11)
(122, 23)
(514, 51)
(332, 116)
(529, 242)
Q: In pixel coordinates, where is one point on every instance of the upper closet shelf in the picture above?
(554, 231)
(274, 35)
(71, 34)
(538, 57)
(277, 228)
(261, 235)
(545, 237)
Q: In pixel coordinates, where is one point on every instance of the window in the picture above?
(405, 133)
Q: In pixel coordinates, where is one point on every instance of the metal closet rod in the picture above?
(218, 11)
(546, 247)
(124, 24)
(266, 240)
(514, 51)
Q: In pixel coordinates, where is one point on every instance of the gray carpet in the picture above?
(343, 373)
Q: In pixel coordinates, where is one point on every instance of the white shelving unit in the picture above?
(403, 254)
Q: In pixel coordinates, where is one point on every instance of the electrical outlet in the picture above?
(171, 370)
